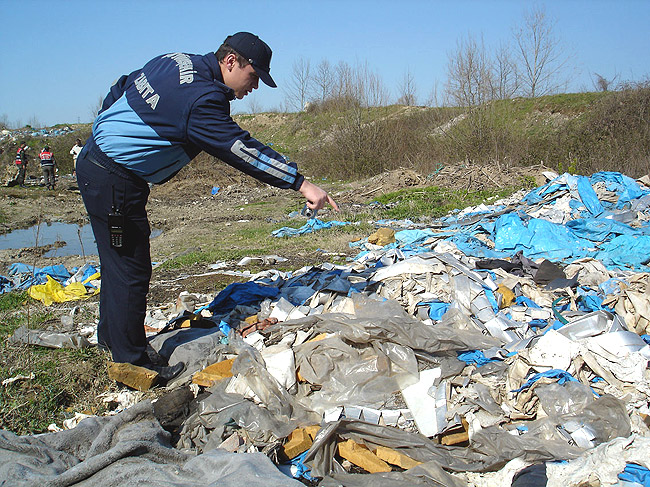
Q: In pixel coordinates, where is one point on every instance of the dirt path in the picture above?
(185, 209)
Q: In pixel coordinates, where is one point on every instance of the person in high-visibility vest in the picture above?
(48, 164)
(21, 162)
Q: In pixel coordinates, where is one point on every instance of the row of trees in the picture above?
(327, 82)
(533, 62)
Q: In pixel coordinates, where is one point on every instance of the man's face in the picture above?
(242, 80)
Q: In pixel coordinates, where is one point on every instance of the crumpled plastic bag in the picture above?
(53, 291)
(49, 339)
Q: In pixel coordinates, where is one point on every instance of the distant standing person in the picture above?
(48, 165)
(76, 149)
(21, 163)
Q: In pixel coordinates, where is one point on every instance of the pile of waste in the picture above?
(506, 344)
(17, 134)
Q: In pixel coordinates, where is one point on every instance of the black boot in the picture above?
(166, 372)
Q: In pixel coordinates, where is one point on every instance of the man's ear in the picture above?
(230, 60)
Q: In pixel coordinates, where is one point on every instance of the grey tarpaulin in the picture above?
(129, 449)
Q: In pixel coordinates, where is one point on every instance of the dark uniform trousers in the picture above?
(125, 272)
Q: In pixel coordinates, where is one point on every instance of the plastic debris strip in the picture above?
(477, 361)
(52, 283)
(312, 225)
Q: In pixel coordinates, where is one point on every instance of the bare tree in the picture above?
(323, 80)
(359, 84)
(469, 77)
(299, 86)
(253, 104)
(541, 56)
(96, 108)
(343, 86)
(407, 90)
(369, 86)
(505, 77)
(34, 122)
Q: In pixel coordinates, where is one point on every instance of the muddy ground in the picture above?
(185, 211)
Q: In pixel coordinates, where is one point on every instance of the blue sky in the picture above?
(57, 58)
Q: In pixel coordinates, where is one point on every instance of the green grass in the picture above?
(255, 238)
(13, 300)
(63, 381)
(433, 201)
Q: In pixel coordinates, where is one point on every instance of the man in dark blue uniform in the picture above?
(153, 122)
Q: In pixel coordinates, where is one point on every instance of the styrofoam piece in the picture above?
(255, 340)
(281, 365)
(422, 405)
(332, 414)
(552, 351)
(281, 310)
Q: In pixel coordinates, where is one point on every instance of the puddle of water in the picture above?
(74, 236)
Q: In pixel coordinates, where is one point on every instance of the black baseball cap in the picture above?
(256, 51)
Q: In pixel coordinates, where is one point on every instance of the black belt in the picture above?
(94, 154)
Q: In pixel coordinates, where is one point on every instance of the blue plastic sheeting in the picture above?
(614, 285)
(89, 271)
(413, 237)
(592, 229)
(590, 301)
(588, 196)
(26, 276)
(475, 357)
(537, 195)
(224, 328)
(58, 272)
(599, 229)
(561, 375)
(244, 293)
(300, 470)
(476, 248)
(489, 294)
(625, 251)
(312, 225)
(538, 238)
(626, 188)
(537, 323)
(635, 473)
(436, 308)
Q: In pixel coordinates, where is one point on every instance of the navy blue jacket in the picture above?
(157, 119)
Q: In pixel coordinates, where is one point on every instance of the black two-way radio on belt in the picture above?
(116, 225)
